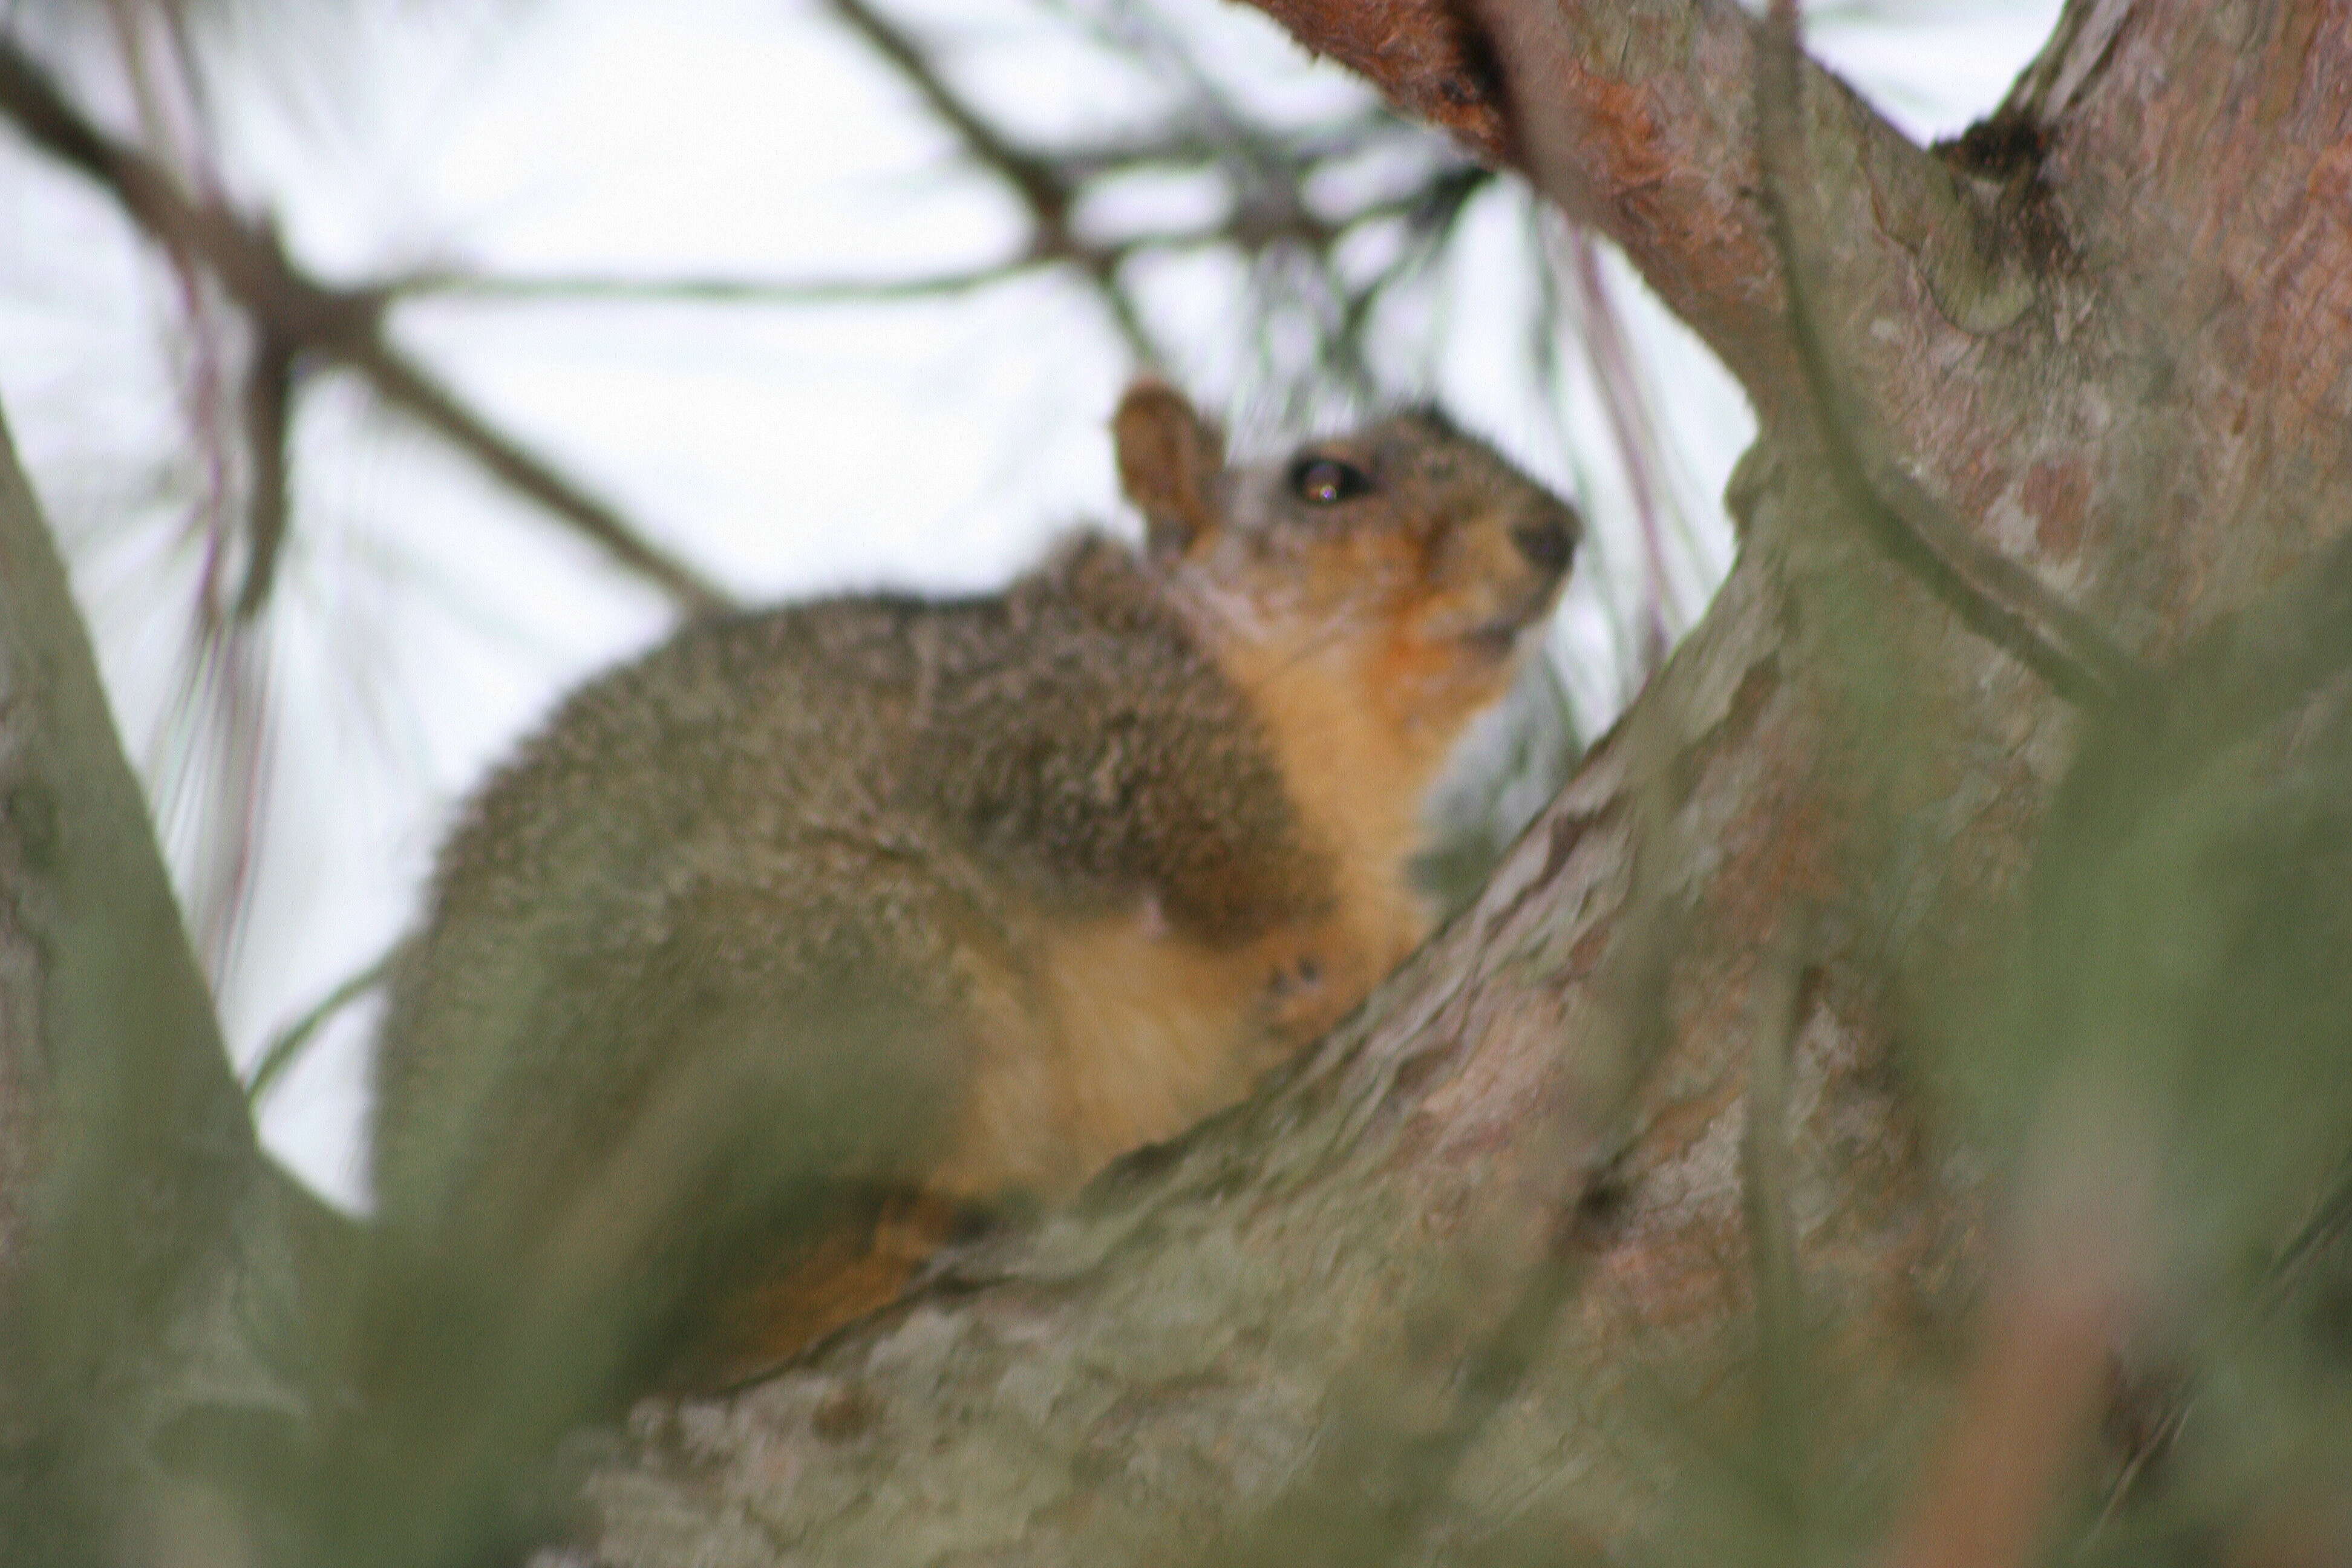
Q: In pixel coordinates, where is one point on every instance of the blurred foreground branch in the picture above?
(150, 1262)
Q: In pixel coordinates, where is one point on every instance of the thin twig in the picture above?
(561, 288)
(1273, 172)
(1432, 208)
(406, 385)
(1040, 184)
(285, 1047)
(304, 317)
(268, 418)
(1043, 187)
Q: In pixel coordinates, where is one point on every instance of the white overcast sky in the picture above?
(784, 451)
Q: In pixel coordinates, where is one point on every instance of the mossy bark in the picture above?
(156, 1274)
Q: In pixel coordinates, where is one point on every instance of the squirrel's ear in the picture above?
(1169, 461)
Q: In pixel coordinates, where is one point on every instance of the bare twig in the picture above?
(1042, 186)
(1431, 208)
(562, 288)
(406, 385)
(1271, 168)
(217, 780)
(297, 316)
(285, 1047)
(1269, 213)
(268, 417)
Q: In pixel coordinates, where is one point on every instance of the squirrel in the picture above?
(779, 953)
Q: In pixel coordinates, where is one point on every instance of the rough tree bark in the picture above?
(1636, 1214)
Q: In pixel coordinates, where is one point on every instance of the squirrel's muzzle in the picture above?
(1546, 542)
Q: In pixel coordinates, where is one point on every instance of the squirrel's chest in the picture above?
(1121, 1034)
(1114, 1032)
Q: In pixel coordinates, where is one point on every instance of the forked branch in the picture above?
(1998, 598)
(297, 318)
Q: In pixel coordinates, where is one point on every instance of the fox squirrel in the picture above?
(780, 951)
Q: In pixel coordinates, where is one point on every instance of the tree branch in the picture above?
(1996, 597)
(1435, 204)
(1633, 116)
(1616, 112)
(269, 427)
(562, 288)
(295, 315)
(1425, 54)
(406, 385)
(144, 1244)
(1040, 186)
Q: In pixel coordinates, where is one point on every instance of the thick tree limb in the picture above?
(1425, 54)
(1633, 116)
(1998, 598)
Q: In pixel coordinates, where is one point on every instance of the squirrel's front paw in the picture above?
(1300, 998)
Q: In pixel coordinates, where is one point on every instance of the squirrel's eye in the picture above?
(1324, 481)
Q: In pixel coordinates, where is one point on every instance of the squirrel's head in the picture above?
(1405, 557)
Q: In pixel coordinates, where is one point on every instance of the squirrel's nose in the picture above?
(1546, 543)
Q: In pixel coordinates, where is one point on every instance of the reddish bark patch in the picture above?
(2057, 497)
(1425, 54)
(1617, 115)
(1754, 692)
(847, 1412)
(1584, 958)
